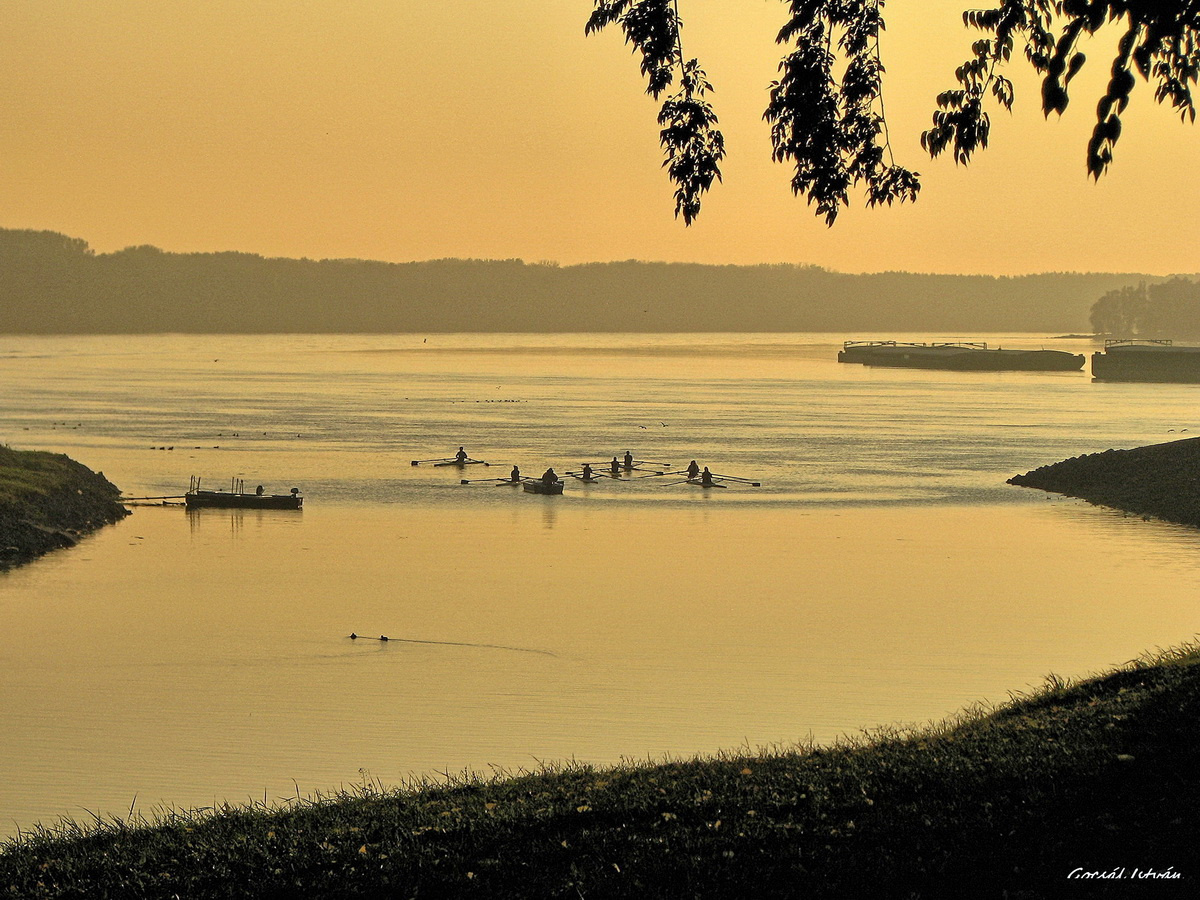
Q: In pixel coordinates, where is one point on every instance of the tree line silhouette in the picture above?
(1166, 310)
(54, 284)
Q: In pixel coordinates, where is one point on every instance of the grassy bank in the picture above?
(1161, 480)
(48, 501)
(1017, 801)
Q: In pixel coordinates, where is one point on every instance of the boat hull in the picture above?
(960, 358)
(230, 500)
(1148, 363)
(542, 487)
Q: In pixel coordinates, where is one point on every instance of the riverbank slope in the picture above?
(49, 501)
(1038, 798)
(1160, 480)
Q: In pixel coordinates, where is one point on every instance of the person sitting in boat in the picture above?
(628, 460)
(549, 476)
(615, 467)
(587, 470)
(515, 474)
(706, 477)
(693, 470)
(259, 490)
(461, 455)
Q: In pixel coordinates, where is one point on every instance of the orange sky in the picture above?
(418, 129)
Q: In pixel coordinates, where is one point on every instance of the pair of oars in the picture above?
(417, 462)
(738, 479)
(696, 481)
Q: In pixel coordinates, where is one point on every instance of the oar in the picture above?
(656, 474)
(739, 479)
(417, 462)
(697, 482)
(486, 480)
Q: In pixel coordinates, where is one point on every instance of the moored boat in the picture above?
(237, 497)
(199, 499)
(1146, 360)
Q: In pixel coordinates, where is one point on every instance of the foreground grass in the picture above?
(48, 501)
(1005, 802)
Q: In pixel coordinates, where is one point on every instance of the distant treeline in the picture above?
(1169, 309)
(54, 284)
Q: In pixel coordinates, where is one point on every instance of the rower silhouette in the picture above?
(628, 460)
(587, 470)
(615, 467)
(515, 474)
(693, 469)
(549, 476)
(461, 455)
(706, 477)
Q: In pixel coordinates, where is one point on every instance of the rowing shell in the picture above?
(461, 463)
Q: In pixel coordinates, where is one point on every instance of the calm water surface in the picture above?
(883, 572)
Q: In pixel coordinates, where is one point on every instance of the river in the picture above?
(882, 572)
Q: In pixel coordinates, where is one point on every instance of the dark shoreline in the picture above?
(1159, 480)
(49, 501)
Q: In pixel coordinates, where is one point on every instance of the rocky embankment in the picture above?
(49, 501)
(1161, 480)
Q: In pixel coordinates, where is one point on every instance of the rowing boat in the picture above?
(460, 463)
(542, 487)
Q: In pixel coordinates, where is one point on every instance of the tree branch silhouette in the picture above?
(834, 132)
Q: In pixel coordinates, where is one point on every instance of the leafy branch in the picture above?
(834, 132)
(689, 137)
(1160, 43)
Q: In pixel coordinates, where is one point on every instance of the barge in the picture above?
(1146, 360)
(959, 356)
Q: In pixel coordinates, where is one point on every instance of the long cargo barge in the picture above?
(1146, 360)
(961, 356)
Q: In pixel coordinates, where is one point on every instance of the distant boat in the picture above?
(1146, 360)
(542, 487)
(960, 356)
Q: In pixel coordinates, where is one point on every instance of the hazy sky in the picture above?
(418, 129)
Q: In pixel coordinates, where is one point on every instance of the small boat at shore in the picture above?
(232, 500)
(237, 497)
(1146, 360)
(958, 356)
(533, 486)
